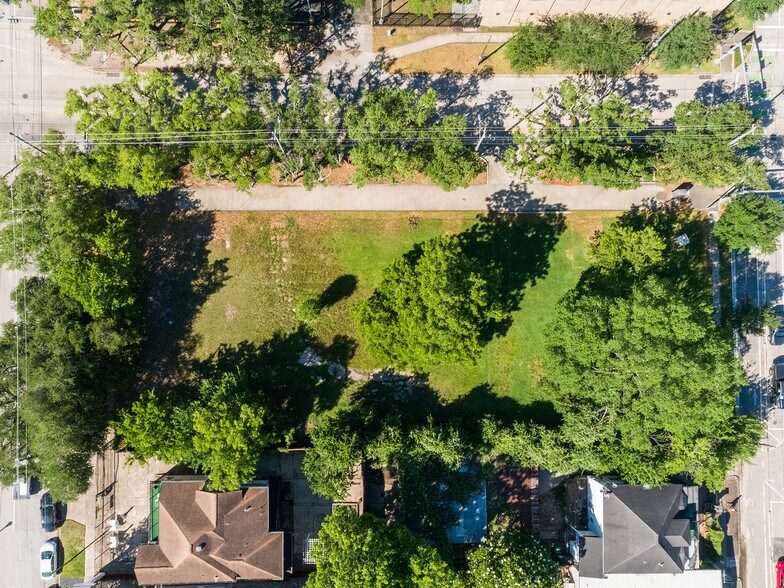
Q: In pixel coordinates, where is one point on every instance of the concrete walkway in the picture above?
(420, 197)
(445, 39)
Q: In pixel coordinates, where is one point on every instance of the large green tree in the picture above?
(127, 123)
(304, 133)
(691, 42)
(706, 146)
(433, 306)
(750, 222)
(589, 43)
(202, 33)
(72, 232)
(365, 552)
(756, 9)
(384, 129)
(222, 432)
(512, 559)
(68, 382)
(529, 48)
(582, 134)
(396, 133)
(226, 131)
(644, 380)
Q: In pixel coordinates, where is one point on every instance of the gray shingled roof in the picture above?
(641, 534)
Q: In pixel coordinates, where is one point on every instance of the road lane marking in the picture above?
(770, 483)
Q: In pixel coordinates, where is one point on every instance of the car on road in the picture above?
(780, 573)
(49, 560)
(50, 513)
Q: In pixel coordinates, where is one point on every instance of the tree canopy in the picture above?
(120, 118)
(529, 48)
(589, 43)
(750, 222)
(643, 378)
(221, 433)
(72, 232)
(691, 42)
(202, 33)
(756, 9)
(68, 381)
(706, 146)
(433, 306)
(365, 552)
(305, 135)
(582, 134)
(512, 559)
(396, 133)
(143, 130)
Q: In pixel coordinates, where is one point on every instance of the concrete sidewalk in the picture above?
(536, 197)
(446, 39)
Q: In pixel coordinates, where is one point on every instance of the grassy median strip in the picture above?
(72, 538)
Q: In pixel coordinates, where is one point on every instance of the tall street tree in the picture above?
(304, 133)
(750, 222)
(396, 133)
(201, 33)
(706, 146)
(582, 134)
(127, 125)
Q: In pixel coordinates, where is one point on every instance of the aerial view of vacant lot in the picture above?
(274, 262)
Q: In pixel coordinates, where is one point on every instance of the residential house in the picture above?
(633, 536)
(211, 537)
(266, 530)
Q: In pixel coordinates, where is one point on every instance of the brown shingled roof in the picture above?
(211, 537)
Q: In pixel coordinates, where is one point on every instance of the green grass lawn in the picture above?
(72, 538)
(276, 261)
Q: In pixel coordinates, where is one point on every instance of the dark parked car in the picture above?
(50, 513)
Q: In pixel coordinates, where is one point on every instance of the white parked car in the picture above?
(49, 562)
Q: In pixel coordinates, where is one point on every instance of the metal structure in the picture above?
(394, 14)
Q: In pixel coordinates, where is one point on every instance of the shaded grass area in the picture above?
(72, 538)
(276, 261)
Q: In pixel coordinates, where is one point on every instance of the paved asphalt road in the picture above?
(761, 507)
(20, 542)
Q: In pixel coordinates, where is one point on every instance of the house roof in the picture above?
(640, 533)
(209, 537)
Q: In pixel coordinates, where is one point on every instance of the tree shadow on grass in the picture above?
(519, 247)
(180, 277)
(341, 288)
(482, 402)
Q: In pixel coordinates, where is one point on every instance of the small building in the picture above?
(203, 537)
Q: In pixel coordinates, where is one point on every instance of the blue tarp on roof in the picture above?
(472, 523)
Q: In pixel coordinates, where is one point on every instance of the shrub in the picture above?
(528, 48)
(756, 9)
(596, 44)
(308, 311)
(691, 42)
